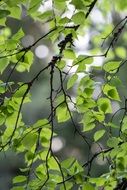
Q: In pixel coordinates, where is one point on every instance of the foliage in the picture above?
(44, 170)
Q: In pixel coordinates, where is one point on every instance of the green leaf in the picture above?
(68, 162)
(40, 171)
(34, 5)
(116, 81)
(41, 123)
(62, 113)
(83, 104)
(69, 185)
(99, 116)
(111, 66)
(64, 20)
(18, 188)
(4, 84)
(113, 142)
(3, 64)
(4, 13)
(3, 21)
(46, 15)
(17, 36)
(87, 186)
(29, 140)
(89, 126)
(12, 3)
(104, 105)
(99, 134)
(53, 164)
(19, 179)
(75, 168)
(60, 5)
(69, 54)
(111, 92)
(79, 18)
(78, 4)
(15, 12)
(25, 61)
(2, 118)
(124, 124)
(121, 52)
(45, 136)
(100, 181)
(88, 61)
(81, 68)
(109, 124)
(83, 59)
(11, 120)
(88, 121)
(21, 91)
(61, 64)
(72, 81)
(71, 166)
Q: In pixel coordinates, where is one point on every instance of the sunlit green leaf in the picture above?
(18, 35)
(99, 134)
(111, 66)
(88, 121)
(69, 54)
(81, 67)
(62, 113)
(15, 12)
(64, 20)
(111, 92)
(45, 136)
(21, 91)
(29, 140)
(46, 15)
(2, 118)
(61, 64)
(98, 181)
(19, 179)
(121, 52)
(72, 81)
(41, 123)
(104, 105)
(99, 116)
(124, 124)
(79, 18)
(87, 186)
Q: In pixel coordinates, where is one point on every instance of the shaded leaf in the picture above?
(113, 142)
(4, 13)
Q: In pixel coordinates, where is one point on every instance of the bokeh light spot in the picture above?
(57, 144)
(41, 51)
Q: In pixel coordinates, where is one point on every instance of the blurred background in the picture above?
(66, 144)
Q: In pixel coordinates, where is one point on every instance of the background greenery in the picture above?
(63, 128)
